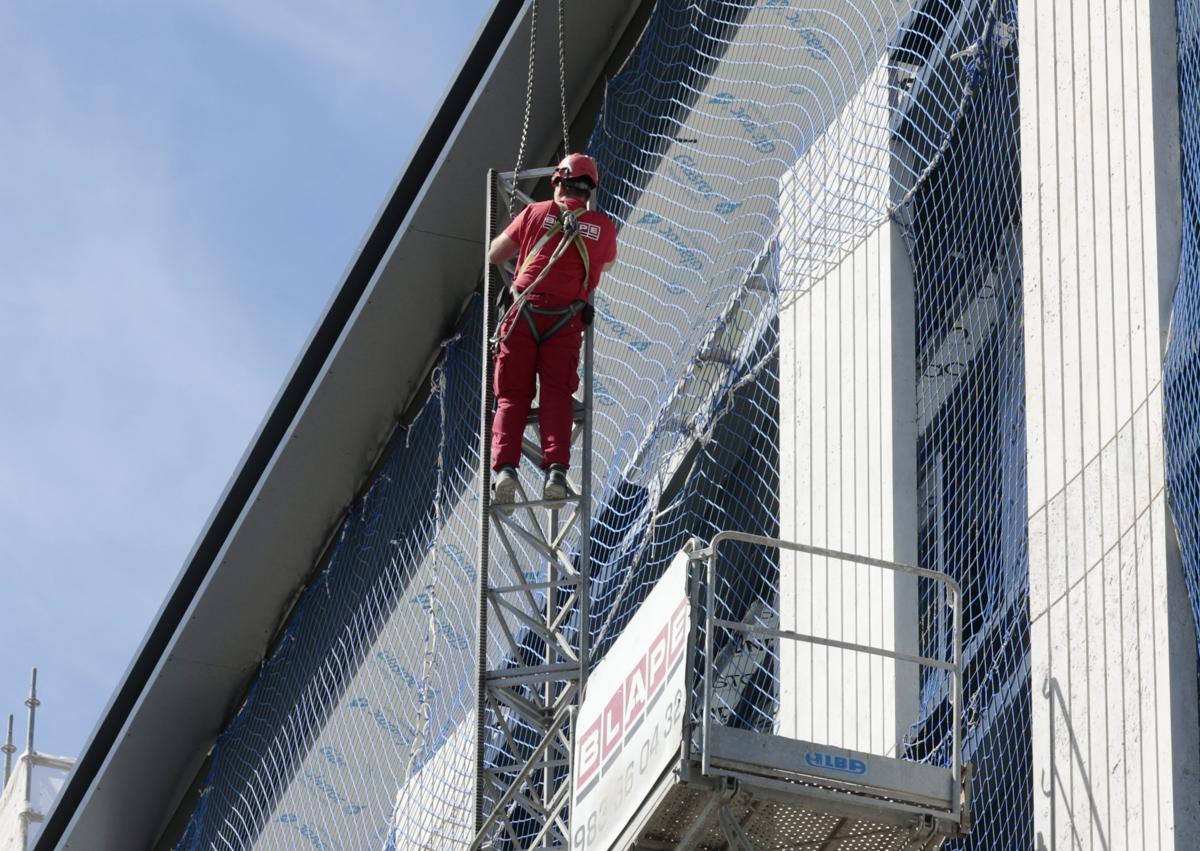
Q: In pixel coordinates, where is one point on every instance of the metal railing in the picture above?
(952, 666)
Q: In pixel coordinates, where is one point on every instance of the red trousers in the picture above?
(555, 365)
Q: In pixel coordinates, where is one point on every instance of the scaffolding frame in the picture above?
(529, 684)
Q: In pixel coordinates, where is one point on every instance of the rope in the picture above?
(429, 662)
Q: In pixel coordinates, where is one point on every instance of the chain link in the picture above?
(512, 196)
(562, 90)
(562, 76)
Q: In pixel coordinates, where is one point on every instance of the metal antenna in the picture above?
(33, 704)
(9, 749)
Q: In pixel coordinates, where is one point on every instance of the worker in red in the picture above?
(562, 249)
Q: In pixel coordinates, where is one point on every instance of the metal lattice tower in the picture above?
(532, 652)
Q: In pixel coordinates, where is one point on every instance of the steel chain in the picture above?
(562, 76)
(512, 196)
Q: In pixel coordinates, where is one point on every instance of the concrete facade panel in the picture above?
(1111, 738)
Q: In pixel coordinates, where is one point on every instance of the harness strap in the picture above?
(564, 314)
(574, 237)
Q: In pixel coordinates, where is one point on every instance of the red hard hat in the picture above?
(574, 167)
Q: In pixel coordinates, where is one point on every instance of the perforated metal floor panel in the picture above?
(691, 816)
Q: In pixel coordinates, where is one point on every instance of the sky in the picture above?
(182, 185)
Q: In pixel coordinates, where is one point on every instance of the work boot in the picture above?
(556, 487)
(504, 485)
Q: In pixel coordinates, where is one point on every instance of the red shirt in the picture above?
(564, 282)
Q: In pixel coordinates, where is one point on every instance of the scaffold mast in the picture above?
(532, 649)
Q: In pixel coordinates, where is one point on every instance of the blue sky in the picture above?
(183, 185)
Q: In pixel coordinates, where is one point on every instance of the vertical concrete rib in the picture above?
(1112, 650)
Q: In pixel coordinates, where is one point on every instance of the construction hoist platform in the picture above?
(659, 762)
(533, 579)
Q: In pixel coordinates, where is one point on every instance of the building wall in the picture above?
(847, 466)
(846, 469)
(1113, 653)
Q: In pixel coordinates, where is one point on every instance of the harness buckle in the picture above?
(570, 226)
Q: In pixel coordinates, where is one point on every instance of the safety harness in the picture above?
(564, 314)
(568, 226)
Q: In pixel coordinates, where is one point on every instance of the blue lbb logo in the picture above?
(836, 763)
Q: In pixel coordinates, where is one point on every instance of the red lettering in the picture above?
(657, 657)
(589, 753)
(679, 630)
(614, 721)
(635, 693)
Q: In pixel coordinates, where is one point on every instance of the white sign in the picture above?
(630, 726)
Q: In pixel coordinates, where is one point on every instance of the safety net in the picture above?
(1181, 369)
(819, 281)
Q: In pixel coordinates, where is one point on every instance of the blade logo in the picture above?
(591, 230)
(603, 740)
(630, 725)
